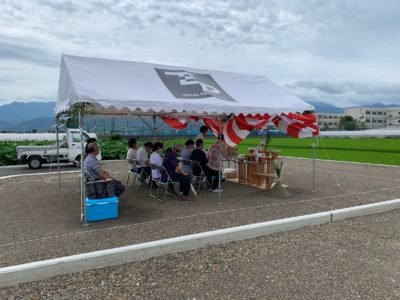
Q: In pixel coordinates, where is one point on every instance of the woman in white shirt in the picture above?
(132, 152)
(156, 159)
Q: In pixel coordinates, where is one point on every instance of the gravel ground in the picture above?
(40, 221)
(355, 258)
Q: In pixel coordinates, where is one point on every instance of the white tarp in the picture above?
(378, 133)
(30, 136)
(124, 87)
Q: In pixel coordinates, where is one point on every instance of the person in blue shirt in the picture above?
(93, 168)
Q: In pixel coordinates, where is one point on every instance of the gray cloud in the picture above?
(26, 53)
(340, 51)
(346, 93)
(66, 6)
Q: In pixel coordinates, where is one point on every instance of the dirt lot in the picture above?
(356, 258)
(40, 221)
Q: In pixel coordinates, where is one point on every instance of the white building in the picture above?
(393, 117)
(329, 120)
(372, 117)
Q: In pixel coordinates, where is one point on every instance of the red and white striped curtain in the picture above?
(214, 125)
(298, 126)
(237, 128)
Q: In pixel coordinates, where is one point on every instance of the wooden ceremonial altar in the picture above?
(259, 172)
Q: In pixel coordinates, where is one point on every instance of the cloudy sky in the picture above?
(341, 52)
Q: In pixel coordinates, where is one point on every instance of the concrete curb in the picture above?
(363, 210)
(106, 258)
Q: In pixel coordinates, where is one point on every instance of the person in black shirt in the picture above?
(199, 155)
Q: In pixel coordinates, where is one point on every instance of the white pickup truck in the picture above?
(69, 152)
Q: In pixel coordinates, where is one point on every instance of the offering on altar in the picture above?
(274, 154)
(251, 154)
(231, 151)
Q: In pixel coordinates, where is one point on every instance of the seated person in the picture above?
(176, 172)
(155, 158)
(88, 141)
(143, 159)
(132, 153)
(199, 155)
(92, 166)
(187, 150)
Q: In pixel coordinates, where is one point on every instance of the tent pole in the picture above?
(313, 165)
(83, 207)
(58, 151)
(220, 163)
(154, 128)
(145, 122)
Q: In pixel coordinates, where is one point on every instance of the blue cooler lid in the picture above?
(101, 201)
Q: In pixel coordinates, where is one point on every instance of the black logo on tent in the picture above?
(189, 85)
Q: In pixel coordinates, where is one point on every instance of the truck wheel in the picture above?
(35, 162)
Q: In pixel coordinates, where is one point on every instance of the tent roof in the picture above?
(130, 88)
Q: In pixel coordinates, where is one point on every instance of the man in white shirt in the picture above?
(202, 134)
(142, 157)
(156, 159)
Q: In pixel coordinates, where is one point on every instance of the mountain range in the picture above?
(26, 116)
(323, 107)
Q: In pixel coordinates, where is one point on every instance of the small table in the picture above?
(266, 180)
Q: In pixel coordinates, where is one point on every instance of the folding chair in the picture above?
(136, 174)
(88, 176)
(99, 189)
(166, 183)
(189, 170)
(154, 181)
(92, 184)
(198, 179)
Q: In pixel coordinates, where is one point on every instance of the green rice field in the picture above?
(364, 150)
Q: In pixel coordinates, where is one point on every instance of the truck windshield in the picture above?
(76, 137)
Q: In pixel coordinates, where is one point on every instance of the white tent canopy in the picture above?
(125, 87)
(133, 88)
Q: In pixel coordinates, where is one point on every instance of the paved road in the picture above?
(15, 170)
